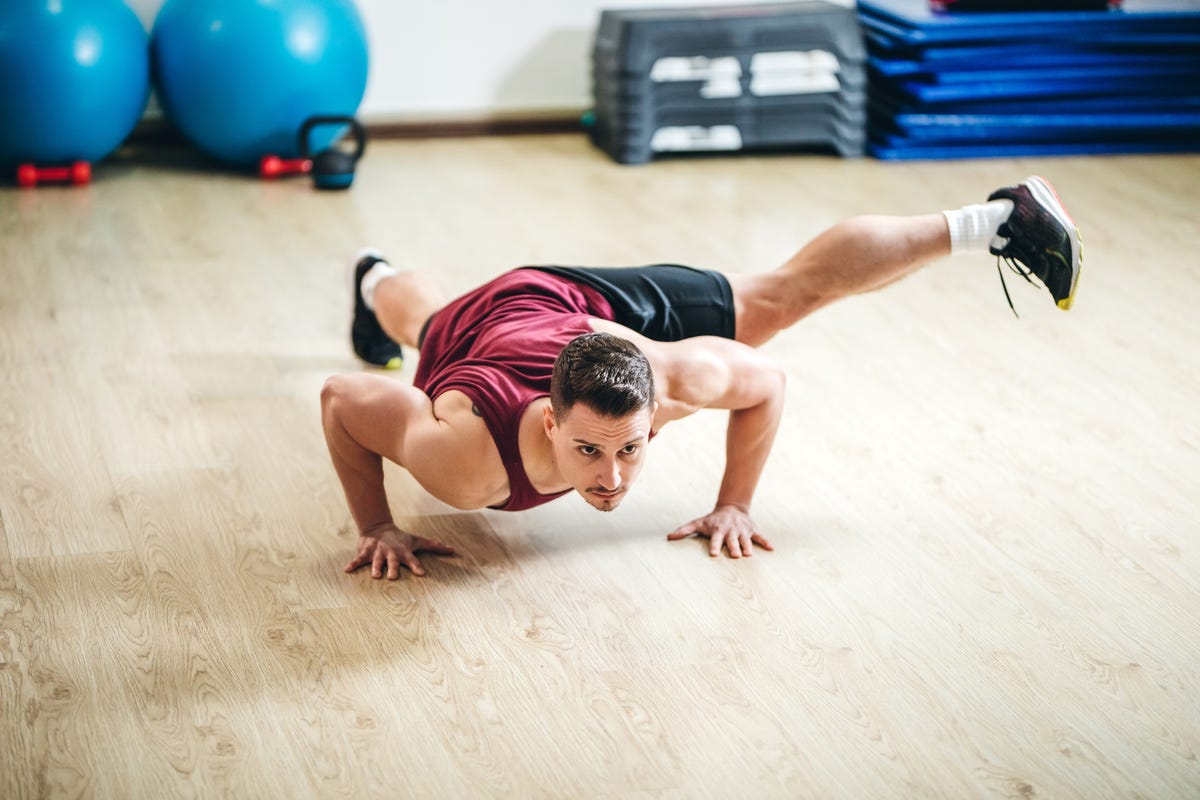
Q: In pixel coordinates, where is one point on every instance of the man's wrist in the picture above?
(371, 528)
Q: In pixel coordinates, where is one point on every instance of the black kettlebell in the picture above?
(333, 168)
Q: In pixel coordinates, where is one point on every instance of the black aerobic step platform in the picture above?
(729, 78)
(631, 40)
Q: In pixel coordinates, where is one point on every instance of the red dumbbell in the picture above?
(78, 174)
(272, 167)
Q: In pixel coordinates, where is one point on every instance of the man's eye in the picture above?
(587, 451)
(629, 449)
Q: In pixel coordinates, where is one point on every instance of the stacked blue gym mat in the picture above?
(729, 78)
(969, 85)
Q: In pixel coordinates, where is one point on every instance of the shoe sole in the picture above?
(352, 293)
(1044, 193)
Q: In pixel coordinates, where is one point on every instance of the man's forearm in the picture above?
(748, 442)
(361, 474)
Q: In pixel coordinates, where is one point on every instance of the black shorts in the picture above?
(664, 302)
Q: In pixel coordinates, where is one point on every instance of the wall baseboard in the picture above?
(497, 126)
(160, 132)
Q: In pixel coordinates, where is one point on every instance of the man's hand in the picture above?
(386, 548)
(728, 526)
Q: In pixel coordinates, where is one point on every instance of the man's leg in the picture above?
(391, 307)
(404, 303)
(858, 255)
(1024, 224)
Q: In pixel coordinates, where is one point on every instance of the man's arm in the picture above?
(708, 372)
(367, 418)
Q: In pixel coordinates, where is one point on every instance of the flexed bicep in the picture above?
(711, 372)
(377, 413)
(445, 447)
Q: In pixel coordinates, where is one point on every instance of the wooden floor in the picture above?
(987, 574)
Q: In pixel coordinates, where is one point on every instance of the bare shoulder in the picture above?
(702, 372)
(443, 444)
(459, 429)
(456, 459)
(696, 373)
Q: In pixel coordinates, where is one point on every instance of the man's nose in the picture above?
(609, 476)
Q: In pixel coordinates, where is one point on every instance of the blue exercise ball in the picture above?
(74, 79)
(240, 77)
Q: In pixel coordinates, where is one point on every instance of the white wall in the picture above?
(450, 59)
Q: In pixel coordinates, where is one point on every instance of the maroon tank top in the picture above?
(497, 345)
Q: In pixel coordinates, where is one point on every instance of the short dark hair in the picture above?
(608, 373)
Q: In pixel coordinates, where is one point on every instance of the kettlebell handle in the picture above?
(360, 135)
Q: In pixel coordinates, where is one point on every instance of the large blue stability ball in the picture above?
(74, 78)
(240, 77)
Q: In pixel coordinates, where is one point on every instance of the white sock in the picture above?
(374, 275)
(972, 228)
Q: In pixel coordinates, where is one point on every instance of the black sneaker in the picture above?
(1039, 238)
(370, 342)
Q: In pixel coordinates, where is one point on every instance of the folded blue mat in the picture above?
(901, 151)
(914, 91)
(980, 60)
(956, 127)
(914, 22)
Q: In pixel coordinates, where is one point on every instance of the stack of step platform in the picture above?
(784, 76)
(1032, 82)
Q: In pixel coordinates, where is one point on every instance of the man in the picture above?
(548, 379)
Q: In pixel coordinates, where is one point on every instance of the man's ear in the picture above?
(548, 419)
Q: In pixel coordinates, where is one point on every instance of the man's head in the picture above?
(601, 409)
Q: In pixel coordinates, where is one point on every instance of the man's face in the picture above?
(600, 456)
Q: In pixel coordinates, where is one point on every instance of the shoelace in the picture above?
(1019, 269)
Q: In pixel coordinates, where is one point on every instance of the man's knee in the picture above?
(766, 304)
